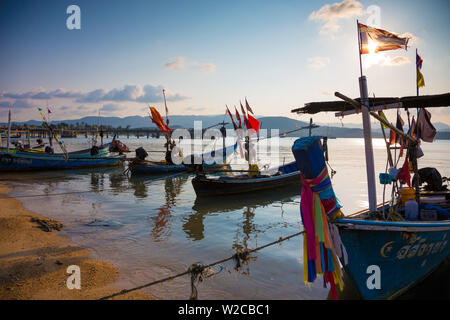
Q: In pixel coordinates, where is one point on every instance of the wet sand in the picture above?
(34, 260)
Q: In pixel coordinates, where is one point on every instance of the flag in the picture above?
(254, 124)
(419, 77)
(248, 107)
(247, 125)
(48, 110)
(374, 40)
(381, 114)
(158, 120)
(404, 173)
(231, 116)
(238, 117)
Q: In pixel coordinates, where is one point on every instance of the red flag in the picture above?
(248, 107)
(247, 125)
(404, 173)
(254, 124)
(392, 137)
(158, 120)
(231, 116)
(238, 117)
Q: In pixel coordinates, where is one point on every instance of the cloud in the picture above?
(176, 64)
(395, 61)
(207, 67)
(111, 108)
(42, 94)
(180, 63)
(318, 62)
(329, 15)
(131, 93)
(381, 59)
(17, 104)
(413, 39)
(134, 93)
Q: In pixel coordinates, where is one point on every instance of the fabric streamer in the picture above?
(318, 207)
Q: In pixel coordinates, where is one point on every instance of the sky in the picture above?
(208, 54)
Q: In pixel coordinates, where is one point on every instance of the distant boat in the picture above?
(158, 167)
(19, 160)
(36, 161)
(100, 151)
(229, 185)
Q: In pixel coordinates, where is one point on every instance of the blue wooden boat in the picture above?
(41, 161)
(400, 253)
(155, 167)
(206, 186)
(405, 253)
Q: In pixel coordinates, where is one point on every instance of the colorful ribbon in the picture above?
(321, 241)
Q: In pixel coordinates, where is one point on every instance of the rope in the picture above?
(196, 269)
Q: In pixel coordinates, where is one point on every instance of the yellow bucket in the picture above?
(407, 193)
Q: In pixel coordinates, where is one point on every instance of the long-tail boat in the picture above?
(208, 186)
(402, 252)
(137, 166)
(42, 161)
(389, 247)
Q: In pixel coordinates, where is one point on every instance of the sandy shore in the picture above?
(34, 261)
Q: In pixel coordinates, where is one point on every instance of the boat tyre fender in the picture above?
(6, 159)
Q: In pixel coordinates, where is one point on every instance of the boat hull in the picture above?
(206, 187)
(154, 168)
(103, 151)
(400, 253)
(21, 162)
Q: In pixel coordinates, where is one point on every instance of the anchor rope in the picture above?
(196, 269)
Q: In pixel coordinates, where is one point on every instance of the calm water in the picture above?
(153, 227)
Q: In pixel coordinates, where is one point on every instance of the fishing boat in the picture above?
(389, 247)
(137, 166)
(20, 161)
(100, 151)
(404, 252)
(208, 186)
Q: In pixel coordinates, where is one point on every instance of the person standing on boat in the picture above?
(170, 144)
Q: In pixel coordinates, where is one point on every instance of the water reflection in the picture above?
(162, 221)
(194, 226)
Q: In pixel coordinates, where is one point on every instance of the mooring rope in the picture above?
(196, 269)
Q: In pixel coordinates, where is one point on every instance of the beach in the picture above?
(34, 260)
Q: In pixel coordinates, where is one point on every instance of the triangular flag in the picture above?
(248, 107)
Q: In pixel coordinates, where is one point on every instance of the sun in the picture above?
(372, 57)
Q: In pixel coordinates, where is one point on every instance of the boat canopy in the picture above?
(428, 101)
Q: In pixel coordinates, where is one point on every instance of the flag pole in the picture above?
(359, 47)
(9, 129)
(370, 166)
(417, 85)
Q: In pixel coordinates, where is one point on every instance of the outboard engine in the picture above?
(49, 150)
(431, 177)
(94, 151)
(141, 154)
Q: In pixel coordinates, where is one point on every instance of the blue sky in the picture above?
(278, 54)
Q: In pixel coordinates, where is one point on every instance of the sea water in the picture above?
(154, 227)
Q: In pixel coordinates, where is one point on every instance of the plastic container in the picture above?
(411, 210)
(407, 193)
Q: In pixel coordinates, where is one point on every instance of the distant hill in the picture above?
(283, 124)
